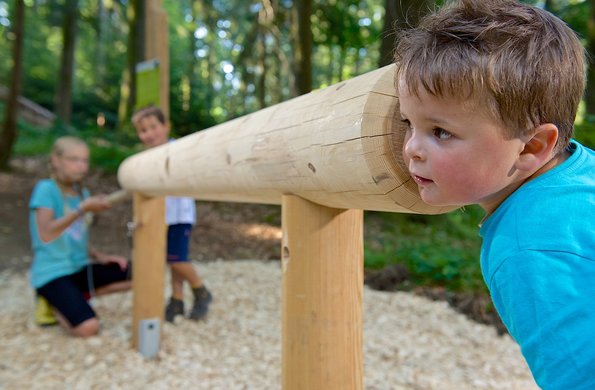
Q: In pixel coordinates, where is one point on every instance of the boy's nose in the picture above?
(412, 147)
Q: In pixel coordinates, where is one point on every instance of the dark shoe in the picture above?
(202, 298)
(174, 307)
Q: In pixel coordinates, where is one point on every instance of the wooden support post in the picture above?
(148, 261)
(150, 235)
(322, 260)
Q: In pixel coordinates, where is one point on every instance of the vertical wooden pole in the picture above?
(322, 260)
(148, 261)
(150, 235)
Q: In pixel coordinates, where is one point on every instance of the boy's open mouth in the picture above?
(421, 180)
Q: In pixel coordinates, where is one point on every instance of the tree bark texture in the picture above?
(402, 13)
(64, 88)
(303, 41)
(9, 132)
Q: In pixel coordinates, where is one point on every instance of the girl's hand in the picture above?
(95, 204)
(104, 258)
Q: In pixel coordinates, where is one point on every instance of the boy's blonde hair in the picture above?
(146, 112)
(524, 64)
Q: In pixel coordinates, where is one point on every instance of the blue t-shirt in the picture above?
(67, 253)
(538, 260)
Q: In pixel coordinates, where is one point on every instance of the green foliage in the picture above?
(438, 250)
(585, 133)
(105, 155)
(32, 141)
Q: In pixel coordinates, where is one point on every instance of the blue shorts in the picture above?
(178, 241)
(67, 293)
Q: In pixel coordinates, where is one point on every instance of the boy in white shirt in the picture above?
(180, 216)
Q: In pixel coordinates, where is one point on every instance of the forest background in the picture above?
(76, 59)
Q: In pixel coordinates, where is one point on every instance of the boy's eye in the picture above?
(406, 123)
(441, 133)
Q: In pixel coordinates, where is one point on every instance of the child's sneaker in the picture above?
(44, 315)
(202, 298)
(174, 307)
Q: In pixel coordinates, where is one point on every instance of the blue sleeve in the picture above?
(46, 195)
(546, 299)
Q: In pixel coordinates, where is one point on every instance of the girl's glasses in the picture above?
(75, 159)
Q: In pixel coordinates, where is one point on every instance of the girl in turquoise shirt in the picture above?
(61, 272)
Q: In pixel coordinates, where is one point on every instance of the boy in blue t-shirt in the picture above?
(488, 92)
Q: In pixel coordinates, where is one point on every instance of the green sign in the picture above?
(147, 84)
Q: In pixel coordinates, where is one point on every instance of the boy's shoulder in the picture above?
(576, 172)
(550, 211)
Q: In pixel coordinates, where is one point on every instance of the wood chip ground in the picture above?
(409, 342)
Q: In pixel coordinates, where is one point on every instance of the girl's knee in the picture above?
(87, 328)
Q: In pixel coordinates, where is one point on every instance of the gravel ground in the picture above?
(409, 342)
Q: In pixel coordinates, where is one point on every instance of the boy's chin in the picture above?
(440, 202)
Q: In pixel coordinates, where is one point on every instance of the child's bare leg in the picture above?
(177, 285)
(175, 306)
(124, 285)
(186, 271)
(85, 329)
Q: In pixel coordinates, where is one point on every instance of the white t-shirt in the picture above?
(179, 210)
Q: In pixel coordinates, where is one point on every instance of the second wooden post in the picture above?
(148, 265)
(322, 260)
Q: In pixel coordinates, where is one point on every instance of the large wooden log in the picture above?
(338, 147)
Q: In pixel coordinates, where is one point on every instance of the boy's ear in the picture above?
(539, 148)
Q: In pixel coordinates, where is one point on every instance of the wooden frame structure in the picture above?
(325, 157)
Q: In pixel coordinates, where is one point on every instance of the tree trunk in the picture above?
(405, 13)
(102, 44)
(211, 40)
(190, 79)
(590, 92)
(261, 91)
(342, 58)
(262, 59)
(63, 96)
(303, 42)
(136, 50)
(9, 133)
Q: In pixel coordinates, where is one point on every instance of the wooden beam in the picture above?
(148, 261)
(322, 260)
(339, 147)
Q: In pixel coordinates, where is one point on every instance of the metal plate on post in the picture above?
(149, 337)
